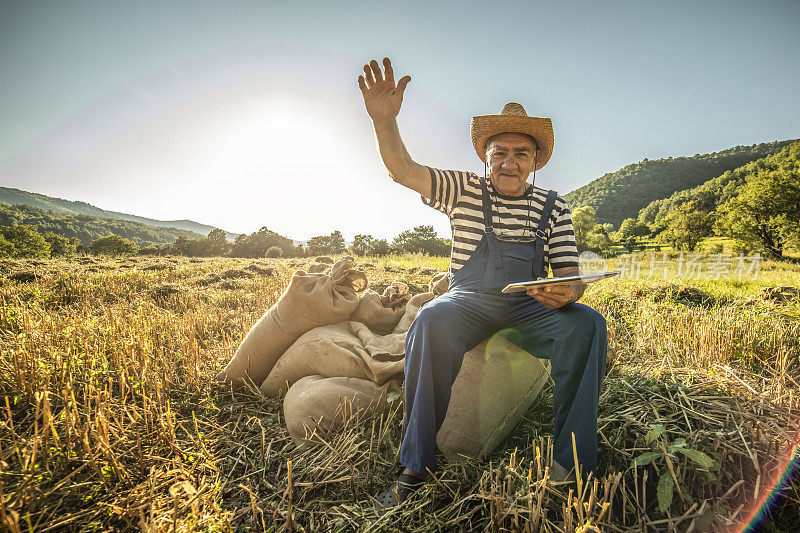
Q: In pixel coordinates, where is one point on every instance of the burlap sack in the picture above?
(346, 349)
(318, 405)
(310, 300)
(440, 283)
(496, 385)
(412, 307)
(381, 312)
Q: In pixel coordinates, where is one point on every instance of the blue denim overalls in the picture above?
(573, 337)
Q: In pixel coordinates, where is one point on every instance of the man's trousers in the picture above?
(573, 337)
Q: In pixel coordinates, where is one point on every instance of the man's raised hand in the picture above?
(381, 96)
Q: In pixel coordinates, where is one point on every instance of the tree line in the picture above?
(756, 205)
(24, 240)
(266, 243)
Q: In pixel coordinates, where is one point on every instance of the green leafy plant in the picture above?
(663, 457)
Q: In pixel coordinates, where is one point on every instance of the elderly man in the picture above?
(504, 230)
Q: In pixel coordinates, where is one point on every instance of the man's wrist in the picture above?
(386, 124)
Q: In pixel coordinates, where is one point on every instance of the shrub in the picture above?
(113, 245)
(274, 251)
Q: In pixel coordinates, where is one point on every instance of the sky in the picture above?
(243, 114)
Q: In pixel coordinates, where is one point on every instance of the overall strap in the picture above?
(487, 207)
(537, 268)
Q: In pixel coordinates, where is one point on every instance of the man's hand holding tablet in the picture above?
(558, 292)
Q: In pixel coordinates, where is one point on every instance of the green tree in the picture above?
(336, 243)
(257, 243)
(421, 239)
(217, 243)
(113, 245)
(362, 244)
(629, 244)
(198, 247)
(582, 224)
(380, 248)
(599, 240)
(60, 246)
(317, 245)
(629, 231)
(326, 244)
(26, 241)
(588, 234)
(6, 248)
(686, 227)
(77, 243)
(765, 212)
(274, 251)
(181, 245)
(632, 227)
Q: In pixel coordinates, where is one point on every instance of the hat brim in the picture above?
(485, 126)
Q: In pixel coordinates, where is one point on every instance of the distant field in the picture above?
(109, 419)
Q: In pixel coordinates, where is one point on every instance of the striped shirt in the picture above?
(458, 195)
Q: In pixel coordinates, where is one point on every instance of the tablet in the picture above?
(522, 286)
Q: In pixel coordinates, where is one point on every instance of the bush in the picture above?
(61, 246)
(23, 240)
(274, 251)
(113, 245)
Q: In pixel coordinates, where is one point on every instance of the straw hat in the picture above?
(513, 119)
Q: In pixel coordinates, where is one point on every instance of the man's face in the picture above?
(510, 157)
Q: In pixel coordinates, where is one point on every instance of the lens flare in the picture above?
(769, 496)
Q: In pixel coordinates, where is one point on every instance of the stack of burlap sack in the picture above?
(335, 349)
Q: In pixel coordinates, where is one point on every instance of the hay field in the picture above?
(109, 420)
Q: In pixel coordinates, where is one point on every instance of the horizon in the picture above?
(349, 238)
(107, 104)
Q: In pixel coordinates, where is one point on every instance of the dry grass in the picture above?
(109, 420)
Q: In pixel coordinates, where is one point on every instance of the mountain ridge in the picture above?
(622, 194)
(13, 196)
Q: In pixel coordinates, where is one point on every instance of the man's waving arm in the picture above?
(383, 99)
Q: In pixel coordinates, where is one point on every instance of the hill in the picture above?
(716, 191)
(13, 196)
(89, 227)
(622, 194)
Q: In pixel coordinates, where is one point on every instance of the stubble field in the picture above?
(109, 419)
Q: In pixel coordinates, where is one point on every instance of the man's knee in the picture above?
(434, 330)
(434, 316)
(589, 317)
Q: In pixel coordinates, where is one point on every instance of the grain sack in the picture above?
(381, 312)
(332, 350)
(440, 283)
(496, 385)
(310, 300)
(346, 349)
(326, 404)
(412, 307)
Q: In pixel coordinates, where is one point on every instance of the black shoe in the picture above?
(400, 491)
